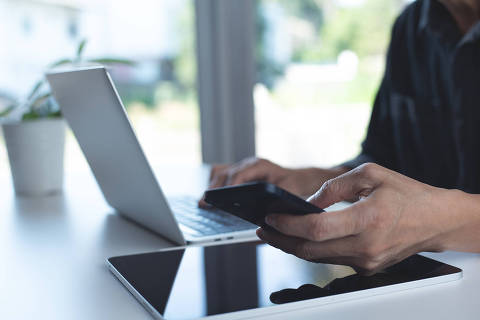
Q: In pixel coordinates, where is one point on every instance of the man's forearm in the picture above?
(460, 221)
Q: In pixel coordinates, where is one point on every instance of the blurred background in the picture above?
(318, 64)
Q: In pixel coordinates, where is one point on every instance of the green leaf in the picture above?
(81, 47)
(31, 115)
(7, 111)
(41, 108)
(56, 114)
(40, 100)
(112, 61)
(60, 63)
(35, 89)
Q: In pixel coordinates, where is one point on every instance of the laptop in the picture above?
(92, 107)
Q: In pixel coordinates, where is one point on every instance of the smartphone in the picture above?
(254, 201)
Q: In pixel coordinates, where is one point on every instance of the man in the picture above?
(425, 125)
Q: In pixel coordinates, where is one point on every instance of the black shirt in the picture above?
(425, 121)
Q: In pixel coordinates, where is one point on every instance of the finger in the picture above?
(219, 180)
(237, 172)
(248, 173)
(333, 251)
(216, 169)
(280, 241)
(203, 204)
(320, 226)
(351, 185)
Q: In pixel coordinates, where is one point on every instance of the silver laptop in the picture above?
(91, 105)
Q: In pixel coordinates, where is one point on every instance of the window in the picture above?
(318, 66)
(159, 91)
(319, 63)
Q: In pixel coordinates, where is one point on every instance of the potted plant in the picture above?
(34, 132)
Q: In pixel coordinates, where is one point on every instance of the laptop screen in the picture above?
(201, 281)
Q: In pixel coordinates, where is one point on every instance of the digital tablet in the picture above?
(249, 279)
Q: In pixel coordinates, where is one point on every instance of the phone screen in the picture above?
(254, 201)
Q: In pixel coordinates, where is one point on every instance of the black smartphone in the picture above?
(254, 201)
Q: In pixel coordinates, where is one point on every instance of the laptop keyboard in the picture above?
(206, 222)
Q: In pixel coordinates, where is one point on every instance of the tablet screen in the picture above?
(201, 281)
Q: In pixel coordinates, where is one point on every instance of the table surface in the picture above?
(54, 250)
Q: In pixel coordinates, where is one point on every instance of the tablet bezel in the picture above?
(291, 306)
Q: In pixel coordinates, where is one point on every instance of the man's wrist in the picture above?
(458, 221)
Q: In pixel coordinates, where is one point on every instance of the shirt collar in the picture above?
(473, 34)
(435, 18)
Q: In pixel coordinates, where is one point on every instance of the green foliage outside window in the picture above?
(363, 28)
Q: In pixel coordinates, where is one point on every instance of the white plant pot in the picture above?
(35, 152)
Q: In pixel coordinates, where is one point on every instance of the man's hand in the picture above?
(394, 218)
(301, 182)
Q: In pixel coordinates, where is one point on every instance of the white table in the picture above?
(53, 253)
